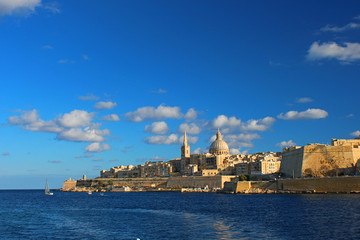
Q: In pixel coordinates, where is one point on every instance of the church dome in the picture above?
(219, 146)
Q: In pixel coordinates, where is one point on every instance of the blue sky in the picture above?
(88, 85)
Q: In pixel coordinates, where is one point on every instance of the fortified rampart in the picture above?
(316, 160)
(120, 182)
(344, 184)
(199, 181)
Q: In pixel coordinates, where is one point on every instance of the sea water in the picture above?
(30, 214)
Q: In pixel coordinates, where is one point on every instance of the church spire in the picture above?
(185, 140)
(218, 135)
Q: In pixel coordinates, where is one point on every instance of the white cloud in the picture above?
(286, 144)
(258, 125)
(97, 147)
(227, 124)
(304, 100)
(191, 114)
(191, 128)
(311, 113)
(350, 115)
(18, 6)
(331, 50)
(197, 151)
(151, 113)
(105, 105)
(157, 158)
(76, 118)
(332, 28)
(157, 128)
(85, 57)
(89, 97)
(235, 151)
(356, 133)
(241, 140)
(88, 134)
(111, 117)
(30, 120)
(171, 139)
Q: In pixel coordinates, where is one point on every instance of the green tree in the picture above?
(243, 178)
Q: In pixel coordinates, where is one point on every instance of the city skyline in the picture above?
(87, 85)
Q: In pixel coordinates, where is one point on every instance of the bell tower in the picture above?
(185, 148)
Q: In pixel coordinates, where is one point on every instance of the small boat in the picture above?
(47, 190)
(89, 192)
(101, 194)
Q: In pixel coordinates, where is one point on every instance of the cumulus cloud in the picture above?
(241, 140)
(191, 114)
(304, 100)
(76, 118)
(347, 52)
(87, 134)
(227, 124)
(8, 7)
(191, 128)
(74, 126)
(89, 97)
(150, 113)
(355, 134)
(111, 117)
(157, 128)
(197, 151)
(333, 28)
(171, 139)
(30, 120)
(311, 113)
(105, 105)
(258, 125)
(97, 147)
(286, 144)
(234, 151)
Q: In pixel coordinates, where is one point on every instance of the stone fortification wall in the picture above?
(119, 182)
(327, 184)
(291, 163)
(198, 181)
(68, 185)
(323, 160)
(317, 160)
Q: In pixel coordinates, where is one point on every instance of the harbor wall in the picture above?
(198, 181)
(344, 184)
(327, 184)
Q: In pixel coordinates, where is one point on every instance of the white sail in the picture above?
(47, 190)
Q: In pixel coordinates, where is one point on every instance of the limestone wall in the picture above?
(291, 163)
(198, 181)
(317, 160)
(324, 160)
(68, 185)
(130, 182)
(327, 184)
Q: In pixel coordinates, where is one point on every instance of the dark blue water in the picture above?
(162, 215)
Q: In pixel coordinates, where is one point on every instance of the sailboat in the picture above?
(47, 190)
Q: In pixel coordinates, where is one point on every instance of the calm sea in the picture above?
(29, 214)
